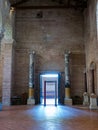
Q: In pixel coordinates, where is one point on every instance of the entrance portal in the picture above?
(49, 89)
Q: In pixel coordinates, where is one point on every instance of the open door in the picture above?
(49, 84)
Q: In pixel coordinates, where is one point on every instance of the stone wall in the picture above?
(6, 51)
(49, 32)
(4, 7)
(91, 45)
(77, 66)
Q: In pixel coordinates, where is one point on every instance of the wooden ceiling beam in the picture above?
(18, 3)
(42, 7)
(68, 4)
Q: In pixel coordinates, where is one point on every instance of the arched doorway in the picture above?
(92, 77)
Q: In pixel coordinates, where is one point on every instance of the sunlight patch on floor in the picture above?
(49, 101)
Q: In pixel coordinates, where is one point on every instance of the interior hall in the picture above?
(49, 64)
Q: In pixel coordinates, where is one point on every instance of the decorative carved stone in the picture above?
(85, 99)
(93, 101)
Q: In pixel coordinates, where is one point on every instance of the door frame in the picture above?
(40, 83)
(45, 91)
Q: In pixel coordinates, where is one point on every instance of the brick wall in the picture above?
(77, 65)
(7, 74)
(91, 45)
(6, 52)
(49, 36)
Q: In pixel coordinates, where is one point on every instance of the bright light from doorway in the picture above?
(51, 80)
(50, 75)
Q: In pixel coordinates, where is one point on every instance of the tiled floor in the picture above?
(48, 118)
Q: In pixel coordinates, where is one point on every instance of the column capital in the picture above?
(32, 52)
(67, 52)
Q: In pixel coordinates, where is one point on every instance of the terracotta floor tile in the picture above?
(48, 118)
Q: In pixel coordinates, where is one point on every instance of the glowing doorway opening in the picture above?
(49, 89)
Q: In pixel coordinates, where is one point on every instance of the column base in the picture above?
(93, 107)
(31, 101)
(85, 99)
(68, 101)
(93, 101)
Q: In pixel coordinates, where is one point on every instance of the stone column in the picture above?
(85, 94)
(31, 99)
(67, 100)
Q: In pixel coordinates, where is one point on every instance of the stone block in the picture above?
(93, 101)
(31, 101)
(85, 99)
(68, 101)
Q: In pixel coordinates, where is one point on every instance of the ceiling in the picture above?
(28, 4)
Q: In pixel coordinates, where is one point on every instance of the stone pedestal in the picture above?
(68, 101)
(93, 101)
(67, 93)
(85, 99)
(31, 100)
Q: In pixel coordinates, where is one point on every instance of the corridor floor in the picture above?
(48, 118)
